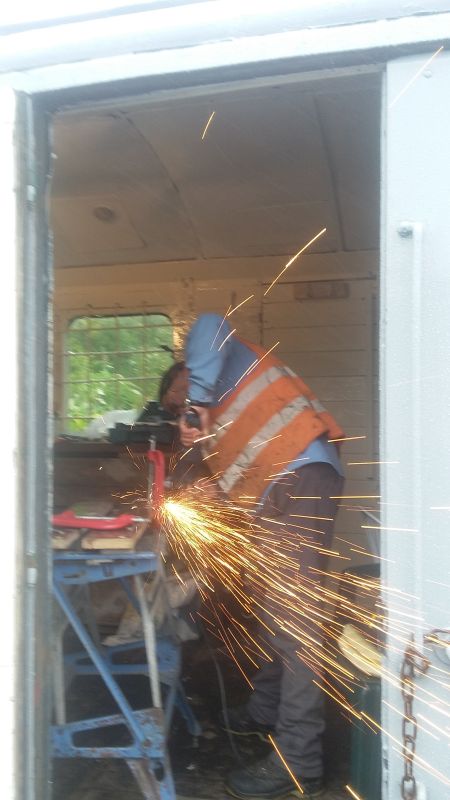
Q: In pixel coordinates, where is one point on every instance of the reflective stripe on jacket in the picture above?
(267, 421)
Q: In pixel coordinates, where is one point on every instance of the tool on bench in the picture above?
(153, 421)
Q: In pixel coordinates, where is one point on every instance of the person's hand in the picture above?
(188, 435)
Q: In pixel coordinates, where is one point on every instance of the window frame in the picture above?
(66, 418)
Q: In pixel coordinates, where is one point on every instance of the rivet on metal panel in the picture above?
(405, 230)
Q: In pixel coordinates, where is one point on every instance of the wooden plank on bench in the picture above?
(64, 539)
(122, 539)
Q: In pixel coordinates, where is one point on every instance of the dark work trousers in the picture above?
(284, 692)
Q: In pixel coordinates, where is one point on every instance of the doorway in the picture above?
(170, 207)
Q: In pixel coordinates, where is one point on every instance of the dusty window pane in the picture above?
(101, 323)
(78, 368)
(131, 339)
(113, 362)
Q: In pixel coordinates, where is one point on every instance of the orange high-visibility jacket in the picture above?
(265, 423)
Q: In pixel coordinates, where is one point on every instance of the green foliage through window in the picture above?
(114, 362)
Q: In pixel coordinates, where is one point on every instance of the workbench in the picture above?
(83, 557)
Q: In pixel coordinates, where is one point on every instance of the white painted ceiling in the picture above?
(275, 166)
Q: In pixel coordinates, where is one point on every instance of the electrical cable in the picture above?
(223, 695)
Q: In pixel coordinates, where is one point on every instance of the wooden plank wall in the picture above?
(331, 343)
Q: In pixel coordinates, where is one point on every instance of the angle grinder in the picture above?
(192, 418)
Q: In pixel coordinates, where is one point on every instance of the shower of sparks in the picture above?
(281, 474)
(285, 764)
(222, 396)
(229, 313)
(309, 516)
(355, 497)
(224, 546)
(208, 124)
(225, 425)
(256, 363)
(400, 713)
(227, 337)
(365, 463)
(186, 452)
(294, 258)
(230, 310)
(438, 583)
(304, 497)
(205, 458)
(383, 528)
(425, 764)
(347, 438)
(204, 438)
(415, 76)
(220, 327)
(260, 444)
(353, 793)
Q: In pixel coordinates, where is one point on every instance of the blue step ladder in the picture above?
(146, 754)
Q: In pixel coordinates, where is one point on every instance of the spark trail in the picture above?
(224, 546)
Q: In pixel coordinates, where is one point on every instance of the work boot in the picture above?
(265, 780)
(239, 722)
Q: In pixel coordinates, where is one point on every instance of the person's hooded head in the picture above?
(173, 389)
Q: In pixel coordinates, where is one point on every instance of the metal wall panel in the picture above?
(9, 700)
(415, 403)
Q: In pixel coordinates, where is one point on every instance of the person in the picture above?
(258, 414)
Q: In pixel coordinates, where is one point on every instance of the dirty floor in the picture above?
(199, 767)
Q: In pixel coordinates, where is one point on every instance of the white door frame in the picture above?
(9, 411)
(176, 49)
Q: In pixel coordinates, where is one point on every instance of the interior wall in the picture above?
(329, 341)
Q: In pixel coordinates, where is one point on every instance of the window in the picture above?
(113, 362)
